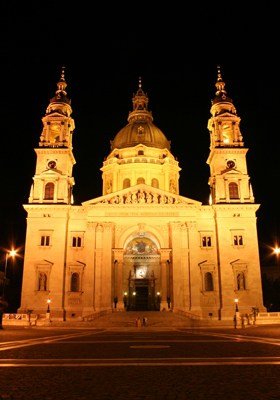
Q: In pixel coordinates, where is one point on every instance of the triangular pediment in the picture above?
(141, 194)
(226, 114)
(231, 172)
(52, 172)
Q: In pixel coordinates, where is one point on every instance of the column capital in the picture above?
(118, 254)
(165, 254)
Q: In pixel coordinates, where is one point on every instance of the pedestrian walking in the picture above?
(3, 307)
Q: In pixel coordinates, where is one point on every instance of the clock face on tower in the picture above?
(51, 164)
(230, 164)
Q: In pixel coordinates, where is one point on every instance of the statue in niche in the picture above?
(240, 281)
(42, 281)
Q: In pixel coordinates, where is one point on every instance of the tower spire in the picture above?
(140, 102)
(229, 179)
(60, 98)
(221, 93)
(58, 124)
(53, 180)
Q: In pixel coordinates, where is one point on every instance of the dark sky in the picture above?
(176, 51)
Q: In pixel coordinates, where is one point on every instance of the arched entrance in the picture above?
(142, 275)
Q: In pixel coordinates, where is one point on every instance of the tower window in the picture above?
(45, 240)
(237, 237)
(76, 241)
(206, 241)
(233, 190)
(237, 240)
(49, 191)
(75, 282)
(208, 282)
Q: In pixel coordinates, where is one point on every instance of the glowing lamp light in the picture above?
(48, 302)
(236, 304)
(11, 253)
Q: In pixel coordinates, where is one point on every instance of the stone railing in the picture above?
(20, 319)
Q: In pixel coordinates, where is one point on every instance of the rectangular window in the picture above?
(206, 241)
(76, 241)
(237, 240)
(45, 240)
(237, 237)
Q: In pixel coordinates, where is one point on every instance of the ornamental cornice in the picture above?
(235, 208)
(47, 207)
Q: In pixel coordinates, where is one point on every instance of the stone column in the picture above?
(164, 264)
(118, 275)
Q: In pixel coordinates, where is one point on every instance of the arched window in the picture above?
(154, 183)
(208, 282)
(75, 282)
(42, 282)
(140, 180)
(49, 191)
(126, 183)
(233, 190)
(140, 152)
(241, 281)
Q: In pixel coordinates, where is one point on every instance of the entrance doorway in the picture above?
(141, 273)
(142, 298)
(142, 295)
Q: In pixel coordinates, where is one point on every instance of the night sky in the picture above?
(105, 51)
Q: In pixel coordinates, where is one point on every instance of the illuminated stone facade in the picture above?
(141, 245)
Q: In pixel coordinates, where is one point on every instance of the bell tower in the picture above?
(53, 181)
(229, 180)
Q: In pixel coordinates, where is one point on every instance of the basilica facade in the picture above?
(141, 245)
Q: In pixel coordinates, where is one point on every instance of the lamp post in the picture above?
(48, 308)
(48, 313)
(10, 253)
(236, 313)
(236, 305)
(276, 251)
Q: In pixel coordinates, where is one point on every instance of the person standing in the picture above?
(3, 307)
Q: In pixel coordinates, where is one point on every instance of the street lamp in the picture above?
(48, 309)
(236, 305)
(10, 253)
(276, 251)
(236, 313)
